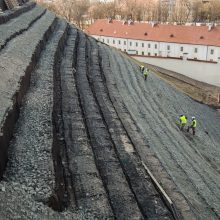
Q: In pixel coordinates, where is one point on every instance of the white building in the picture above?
(200, 43)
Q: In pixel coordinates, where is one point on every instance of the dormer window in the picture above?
(201, 37)
(171, 35)
(101, 29)
(145, 34)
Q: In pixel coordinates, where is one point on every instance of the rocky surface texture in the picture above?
(77, 123)
(192, 162)
(10, 14)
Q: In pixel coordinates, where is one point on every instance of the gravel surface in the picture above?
(29, 178)
(18, 25)
(33, 171)
(89, 190)
(147, 197)
(10, 14)
(17, 57)
(192, 162)
(84, 126)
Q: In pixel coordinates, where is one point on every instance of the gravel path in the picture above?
(192, 162)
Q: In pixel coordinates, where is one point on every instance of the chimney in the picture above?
(210, 27)
(153, 24)
(130, 22)
(109, 20)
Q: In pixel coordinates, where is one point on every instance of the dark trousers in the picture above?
(145, 77)
(182, 125)
(193, 129)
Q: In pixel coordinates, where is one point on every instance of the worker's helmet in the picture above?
(193, 118)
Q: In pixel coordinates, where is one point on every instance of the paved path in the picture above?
(205, 72)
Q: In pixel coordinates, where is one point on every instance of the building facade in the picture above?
(174, 41)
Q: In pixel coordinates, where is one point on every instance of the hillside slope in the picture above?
(192, 162)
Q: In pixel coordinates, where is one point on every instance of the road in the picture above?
(201, 71)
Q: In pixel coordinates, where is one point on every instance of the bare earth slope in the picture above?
(78, 122)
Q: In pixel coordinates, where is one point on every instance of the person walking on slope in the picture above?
(183, 121)
(142, 69)
(146, 73)
(193, 125)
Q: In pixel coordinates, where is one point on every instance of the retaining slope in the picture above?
(87, 128)
(193, 162)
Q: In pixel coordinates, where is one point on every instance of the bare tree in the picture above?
(183, 11)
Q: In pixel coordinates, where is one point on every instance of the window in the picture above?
(130, 43)
(119, 42)
(212, 51)
(155, 54)
(196, 50)
(142, 52)
(181, 48)
(108, 41)
(168, 47)
(142, 44)
(148, 54)
(155, 46)
(103, 40)
(148, 45)
(124, 42)
(113, 41)
(136, 44)
(124, 50)
(136, 52)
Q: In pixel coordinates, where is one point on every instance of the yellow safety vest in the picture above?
(145, 72)
(183, 119)
(194, 123)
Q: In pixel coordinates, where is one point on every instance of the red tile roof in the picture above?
(164, 33)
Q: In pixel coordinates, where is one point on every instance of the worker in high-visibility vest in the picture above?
(146, 73)
(183, 121)
(193, 125)
(142, 68)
